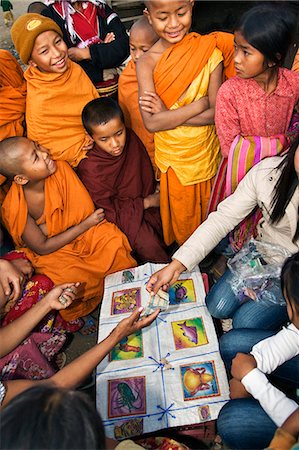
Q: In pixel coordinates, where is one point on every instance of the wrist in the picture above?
(178, 266)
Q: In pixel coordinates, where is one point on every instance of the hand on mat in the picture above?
(151, 102)
(66, 291)
(165, 277)
(133, 323)
(242, 364)
(96, 217)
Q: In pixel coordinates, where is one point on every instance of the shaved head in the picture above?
(143, 26)
(11, 151)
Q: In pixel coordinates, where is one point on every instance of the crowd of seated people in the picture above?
(190, 151)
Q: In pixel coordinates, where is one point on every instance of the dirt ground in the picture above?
(19, 8)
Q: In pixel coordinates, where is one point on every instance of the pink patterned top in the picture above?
(244, 108)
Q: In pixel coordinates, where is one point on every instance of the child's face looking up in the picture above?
(49, 53)
(35, 161)
(249, 62)
(171, 19)
(110, 136)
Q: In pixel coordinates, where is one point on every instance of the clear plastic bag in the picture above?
(256, 271)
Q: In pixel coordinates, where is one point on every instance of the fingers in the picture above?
(146, 321)
(151, 283)
(15, 292)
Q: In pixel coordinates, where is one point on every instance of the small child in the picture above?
(7, 8)
(142, 38)
(181, 74)
(57, 88)
(120, 179)
(251, 422)
(51, 218)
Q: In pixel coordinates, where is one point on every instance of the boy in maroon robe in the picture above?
(119, 177)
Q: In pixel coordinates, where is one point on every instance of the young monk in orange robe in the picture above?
(183, 72)
(51, 218)
(12, 104)
(13, 96)
(57, 88)
(142, 38)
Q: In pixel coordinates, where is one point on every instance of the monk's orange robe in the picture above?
(12, 95)
(53, 111)
(12, 103)
(129, 103)
(188, 157)
(101, 250)
(295, 66)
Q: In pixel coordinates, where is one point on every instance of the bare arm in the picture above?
(207, 117)
(37, 241)
(14, 333)
(74, 373)
(167, 119)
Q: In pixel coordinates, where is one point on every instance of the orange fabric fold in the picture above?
(53, 112)
(295, 66)
(181, 63)
(101, 250)
(195, 198)
(128, 101)
(13, 96)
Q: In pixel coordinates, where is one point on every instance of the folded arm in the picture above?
(167, 119)
(39, 242)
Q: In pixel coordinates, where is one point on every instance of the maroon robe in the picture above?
(119, 184)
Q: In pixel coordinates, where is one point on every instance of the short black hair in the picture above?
(51, 418)
(99, 112)
(270, 29)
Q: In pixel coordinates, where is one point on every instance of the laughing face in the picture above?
(49, 53)
(171, 19)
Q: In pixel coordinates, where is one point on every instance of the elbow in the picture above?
(151, 128)
(41, 251)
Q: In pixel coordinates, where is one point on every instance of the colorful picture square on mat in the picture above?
(182, 292)
(128, 428)
(126, 397)
(130, 347)
(189, 333)
(125, 301)
(199, 380)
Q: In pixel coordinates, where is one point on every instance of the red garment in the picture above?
(119, 185)
(85, 22)
(244, 108)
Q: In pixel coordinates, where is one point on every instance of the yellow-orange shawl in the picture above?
(12, 95)
(128, 101)
(101, 250)
(53, 110)
(181, 63)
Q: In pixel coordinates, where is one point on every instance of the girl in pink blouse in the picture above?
(254, 109)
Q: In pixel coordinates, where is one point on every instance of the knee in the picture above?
(229, 347)
(221, 301)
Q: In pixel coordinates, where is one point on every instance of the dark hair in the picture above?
(46, 417)
(270, 29)
(290, 282)
(99, 112)
(36, 7)
(285, 187)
